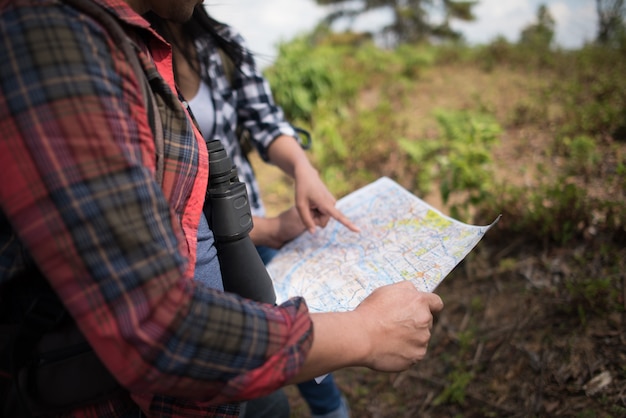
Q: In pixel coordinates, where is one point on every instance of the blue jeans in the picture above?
(266, 253)
(323, 397)
(274, 405)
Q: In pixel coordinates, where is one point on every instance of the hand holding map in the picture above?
(401, 238)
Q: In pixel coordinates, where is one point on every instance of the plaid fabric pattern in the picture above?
(247, 102)
(79, 200)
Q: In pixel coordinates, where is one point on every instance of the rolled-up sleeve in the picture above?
(257, 110)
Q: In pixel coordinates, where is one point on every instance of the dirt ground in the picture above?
(506, 345)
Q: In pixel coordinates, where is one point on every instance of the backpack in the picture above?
(46, 365)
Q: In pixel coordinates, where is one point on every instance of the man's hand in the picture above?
(398, 319)
(389, 331)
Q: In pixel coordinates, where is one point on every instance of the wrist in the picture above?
(304, 169)
(362, 341)
(264, 231)
(339, 341)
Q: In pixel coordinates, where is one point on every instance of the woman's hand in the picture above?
(314, 201)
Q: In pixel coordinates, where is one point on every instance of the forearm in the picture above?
(275, 232)
(339, 341)
(287, 154)
(263, 232)
(314, 201)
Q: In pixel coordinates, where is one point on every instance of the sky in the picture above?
(265, 23)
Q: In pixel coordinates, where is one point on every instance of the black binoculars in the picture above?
(230, 218)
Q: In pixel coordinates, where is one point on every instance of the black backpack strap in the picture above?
(44, 315)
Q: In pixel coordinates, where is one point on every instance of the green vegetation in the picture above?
(357, 97)
(524, 130)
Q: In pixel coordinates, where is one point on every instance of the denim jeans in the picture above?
(274, 405)
(323, 397)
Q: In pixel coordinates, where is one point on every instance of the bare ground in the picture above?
(507, 344)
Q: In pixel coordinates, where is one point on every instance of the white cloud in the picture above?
(497, 18)
(575, 24)
(264, 23)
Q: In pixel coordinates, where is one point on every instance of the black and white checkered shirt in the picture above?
(249, 102)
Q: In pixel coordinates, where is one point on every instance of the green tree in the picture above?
(611, 25)
(539, 35)
(411, 18)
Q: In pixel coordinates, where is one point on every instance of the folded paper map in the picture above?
(401, 238)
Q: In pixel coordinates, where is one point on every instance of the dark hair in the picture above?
(198, 25)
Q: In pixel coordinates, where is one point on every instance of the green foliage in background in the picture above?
(323, 71)
(325, 81)
(459, 160)
(590, 86)
(302, 81)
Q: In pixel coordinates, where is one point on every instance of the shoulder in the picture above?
(69, 37)
(54, 26)
(208, 48)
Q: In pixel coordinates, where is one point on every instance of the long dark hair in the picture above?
(199, 25)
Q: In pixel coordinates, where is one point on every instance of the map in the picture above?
(401, 238)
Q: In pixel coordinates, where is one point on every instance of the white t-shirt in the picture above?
(203, 110)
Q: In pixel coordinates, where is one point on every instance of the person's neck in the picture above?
(139, 6)
(176, 30)
(185, 57)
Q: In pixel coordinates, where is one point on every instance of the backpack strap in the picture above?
(19, 338)
(46, 364)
